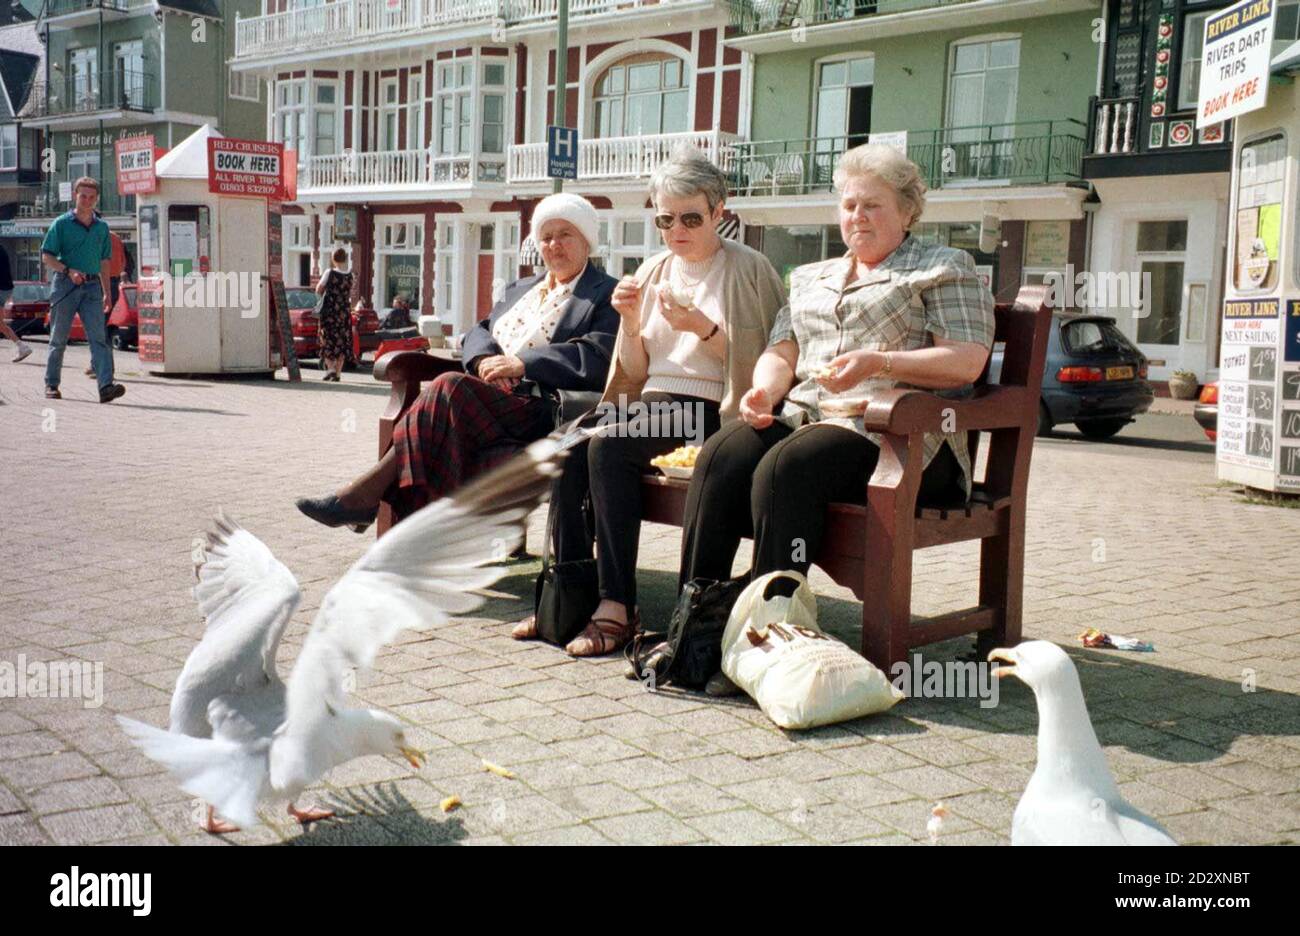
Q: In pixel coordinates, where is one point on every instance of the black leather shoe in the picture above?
(111, 392)
(52, 393)
(329, 511)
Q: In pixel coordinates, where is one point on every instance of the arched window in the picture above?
(642, 94)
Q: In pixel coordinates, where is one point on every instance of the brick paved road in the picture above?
(102, 502)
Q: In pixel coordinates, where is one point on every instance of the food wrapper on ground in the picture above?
(449, 804)
(1099, 640)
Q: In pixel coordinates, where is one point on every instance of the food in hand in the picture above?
(683, 457)
(823, 372)
(678, 295)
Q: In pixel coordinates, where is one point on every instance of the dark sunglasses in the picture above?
(690, 219)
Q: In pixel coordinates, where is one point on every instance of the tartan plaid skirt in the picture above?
(458, 428)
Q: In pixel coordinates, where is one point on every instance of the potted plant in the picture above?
(1183, 385)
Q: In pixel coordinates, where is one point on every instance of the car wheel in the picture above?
(118, 338)
(1044, 419)
(1101, 428)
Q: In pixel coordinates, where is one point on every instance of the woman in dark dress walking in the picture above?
(335, 321)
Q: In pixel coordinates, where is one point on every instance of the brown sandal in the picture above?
(602, 636)
(525, 629)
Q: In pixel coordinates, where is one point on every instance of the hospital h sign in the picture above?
(562, 152)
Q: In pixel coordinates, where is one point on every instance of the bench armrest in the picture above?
(413, 366)
(907, 412)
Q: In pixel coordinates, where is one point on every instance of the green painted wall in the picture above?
(1058, 73)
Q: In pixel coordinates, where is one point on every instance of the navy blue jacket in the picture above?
(580, 350)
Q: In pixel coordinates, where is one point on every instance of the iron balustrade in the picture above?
(119, 89)
(1025, 153)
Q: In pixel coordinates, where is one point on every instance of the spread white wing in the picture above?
(423, 570)
(247, 597)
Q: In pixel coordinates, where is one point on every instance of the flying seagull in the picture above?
(1071, 798)
(239, 736)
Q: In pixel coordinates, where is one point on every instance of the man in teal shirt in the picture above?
(77, 251)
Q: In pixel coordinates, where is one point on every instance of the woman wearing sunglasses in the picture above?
(693, 322)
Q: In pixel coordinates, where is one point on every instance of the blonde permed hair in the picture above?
(892, 168)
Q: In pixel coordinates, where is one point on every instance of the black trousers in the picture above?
(773, 485)
(610, 468)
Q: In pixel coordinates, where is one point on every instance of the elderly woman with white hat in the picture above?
(554, 329)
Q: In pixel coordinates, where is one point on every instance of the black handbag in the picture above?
(692, 650)
(567, 593)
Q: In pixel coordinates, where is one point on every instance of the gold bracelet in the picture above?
(889, 365)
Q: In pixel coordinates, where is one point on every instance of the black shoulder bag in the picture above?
(692, 651)
(567, 593)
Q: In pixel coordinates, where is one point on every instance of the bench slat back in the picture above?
(1022, 327)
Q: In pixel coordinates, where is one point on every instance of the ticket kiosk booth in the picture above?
(1258, 440)
(203, 302)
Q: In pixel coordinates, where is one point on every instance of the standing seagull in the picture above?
(239, 736)
(1071, 798)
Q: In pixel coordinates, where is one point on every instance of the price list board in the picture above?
(1288, 426)
(1259, 394)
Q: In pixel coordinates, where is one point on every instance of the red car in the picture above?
(76, 332)
(304, 323)
(124, 322)
(1206, 413)
(26, 310)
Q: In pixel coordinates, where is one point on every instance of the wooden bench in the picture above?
(868, 548)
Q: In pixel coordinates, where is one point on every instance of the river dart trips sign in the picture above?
(1234, 64)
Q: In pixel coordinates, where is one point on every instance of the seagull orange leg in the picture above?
(215, 826)
(309, 815)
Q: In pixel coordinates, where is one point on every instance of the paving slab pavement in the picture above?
(1132, 536)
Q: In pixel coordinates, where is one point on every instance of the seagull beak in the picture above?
(413, 757)
(1006, 656)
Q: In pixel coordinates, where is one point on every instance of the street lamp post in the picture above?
(561, 73)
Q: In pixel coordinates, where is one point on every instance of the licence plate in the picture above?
(1119, 373)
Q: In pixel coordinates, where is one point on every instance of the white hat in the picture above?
(565, 206)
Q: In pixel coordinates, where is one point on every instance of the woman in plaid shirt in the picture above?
(892, 312)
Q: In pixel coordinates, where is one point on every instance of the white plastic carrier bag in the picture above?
(800, 676)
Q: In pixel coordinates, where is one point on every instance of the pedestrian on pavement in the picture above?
(7, 287)
(116, 270)
(693, 321)
(77, 250)
(552, 330)
(893, 311)
(334, 321)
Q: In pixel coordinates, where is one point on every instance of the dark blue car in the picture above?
(1094, 377)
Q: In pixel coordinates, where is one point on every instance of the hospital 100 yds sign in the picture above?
(251, 168)
(1234, 65)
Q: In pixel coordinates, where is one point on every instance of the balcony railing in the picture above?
(759, 16)
(1116, 126)
(392, 169)
(630, 157)
(1005, 154)
(347, 22)
(122, 89)
(55, 8)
